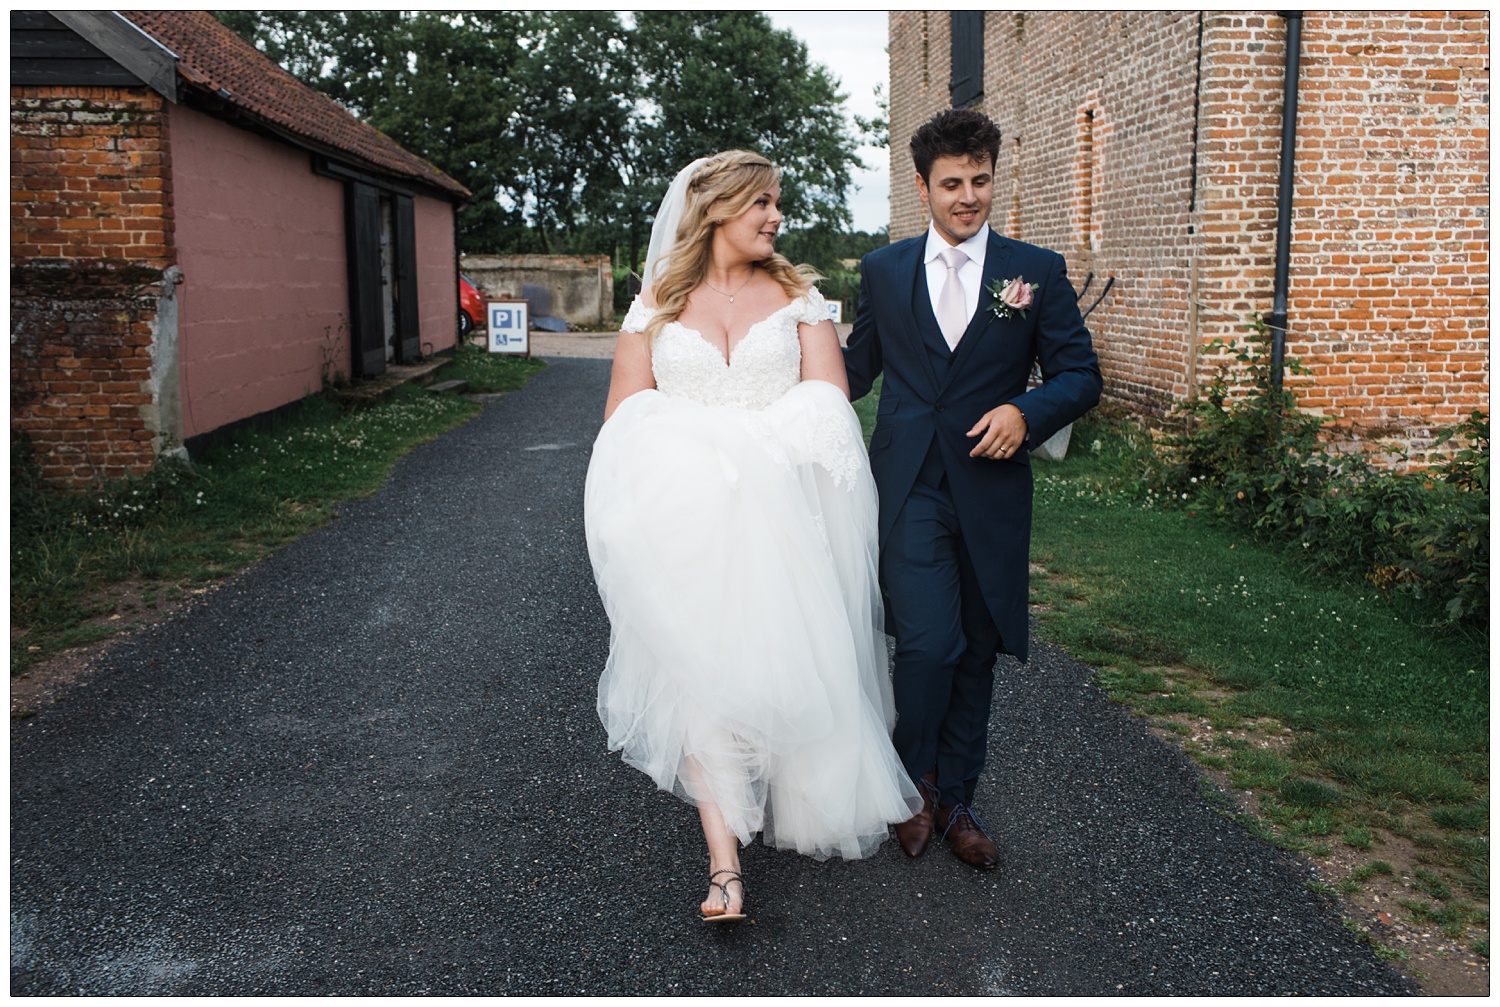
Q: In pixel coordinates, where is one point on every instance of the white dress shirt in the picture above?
(970, 273)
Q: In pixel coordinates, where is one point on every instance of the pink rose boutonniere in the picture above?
(1012, 297)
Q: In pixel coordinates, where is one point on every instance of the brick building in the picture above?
(1145, 146)
(197, 238)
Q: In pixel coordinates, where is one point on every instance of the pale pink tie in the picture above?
(952, 315)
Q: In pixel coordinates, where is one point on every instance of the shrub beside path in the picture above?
(370, 765)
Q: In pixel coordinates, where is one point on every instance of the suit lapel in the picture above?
(911, 266)
(996, 255)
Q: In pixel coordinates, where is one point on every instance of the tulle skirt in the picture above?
(735, 552)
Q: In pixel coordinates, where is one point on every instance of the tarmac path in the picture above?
(371, 765)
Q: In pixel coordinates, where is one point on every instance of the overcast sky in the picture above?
(851, 44)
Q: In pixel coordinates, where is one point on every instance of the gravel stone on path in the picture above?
(370, 765)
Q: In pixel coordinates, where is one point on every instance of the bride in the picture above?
(730, 516)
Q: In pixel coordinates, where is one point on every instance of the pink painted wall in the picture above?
(264, 297)
(437, 273)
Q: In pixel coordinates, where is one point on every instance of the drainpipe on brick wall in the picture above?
(1284, 193)
(1197, 242)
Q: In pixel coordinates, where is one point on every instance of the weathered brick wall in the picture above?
(1389, 296)
(920, 63)
(1095, 162)
(91, 234)
(1097, 116)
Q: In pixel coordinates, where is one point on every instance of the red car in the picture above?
(470, 306)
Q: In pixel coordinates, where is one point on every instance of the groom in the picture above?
(950, 456)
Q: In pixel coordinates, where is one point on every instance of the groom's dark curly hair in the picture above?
(958, 132)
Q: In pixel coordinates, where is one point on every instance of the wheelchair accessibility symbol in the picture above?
(508, 327)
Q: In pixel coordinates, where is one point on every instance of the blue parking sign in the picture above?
(509, 328)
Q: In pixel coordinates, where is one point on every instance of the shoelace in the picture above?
(964, 811)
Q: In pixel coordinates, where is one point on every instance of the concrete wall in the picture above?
(582, 286)
(172, 273)
(264, 297)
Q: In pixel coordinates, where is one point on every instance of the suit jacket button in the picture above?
(939, 407)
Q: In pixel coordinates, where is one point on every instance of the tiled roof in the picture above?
(213, 58)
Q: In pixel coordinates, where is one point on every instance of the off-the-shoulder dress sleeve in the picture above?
(637, 317)
(814, 308)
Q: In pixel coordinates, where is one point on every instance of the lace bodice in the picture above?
(762, 367)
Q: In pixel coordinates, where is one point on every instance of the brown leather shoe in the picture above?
(916, 832)
(966, 838)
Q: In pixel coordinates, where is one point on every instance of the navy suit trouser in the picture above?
(946, 640)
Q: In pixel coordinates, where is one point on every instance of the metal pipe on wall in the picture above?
(1284, 193)
(1196, 240)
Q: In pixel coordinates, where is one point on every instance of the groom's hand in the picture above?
(1004, 433)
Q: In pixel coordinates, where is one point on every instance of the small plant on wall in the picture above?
(332, 347)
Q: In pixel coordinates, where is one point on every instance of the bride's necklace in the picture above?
(726, 293)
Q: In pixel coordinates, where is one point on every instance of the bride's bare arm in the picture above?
(631, 373)
(822, 359)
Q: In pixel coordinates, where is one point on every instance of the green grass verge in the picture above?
(488, 372)
(1387, 713)
(1400, 710)
(73, 554)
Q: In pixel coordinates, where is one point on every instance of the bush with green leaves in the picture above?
(1247, 454)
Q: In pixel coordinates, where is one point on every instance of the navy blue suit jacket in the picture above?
(931, 394)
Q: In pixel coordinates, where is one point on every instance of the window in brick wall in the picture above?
(966, 29)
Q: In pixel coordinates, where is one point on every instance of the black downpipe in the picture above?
(1284, 193)
(1197, 113)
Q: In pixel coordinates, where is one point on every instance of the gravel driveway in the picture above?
(371, 765)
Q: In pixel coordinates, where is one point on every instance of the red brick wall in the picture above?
(91, 233)
(1097, 116)
(1389, 293)
(1389, 297)
(920, 64)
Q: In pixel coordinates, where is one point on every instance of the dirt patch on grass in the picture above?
(1416, 946)
(43, 682)
(123, 609)
(1443, 965)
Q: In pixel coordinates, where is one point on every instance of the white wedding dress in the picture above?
(731, 522)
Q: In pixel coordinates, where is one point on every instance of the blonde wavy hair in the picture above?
(724, 187)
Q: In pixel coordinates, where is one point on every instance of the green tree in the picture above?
(578, 89)
(566, 125)
(438, 84)
(716, 80)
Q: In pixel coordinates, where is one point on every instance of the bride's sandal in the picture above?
(724, 915)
